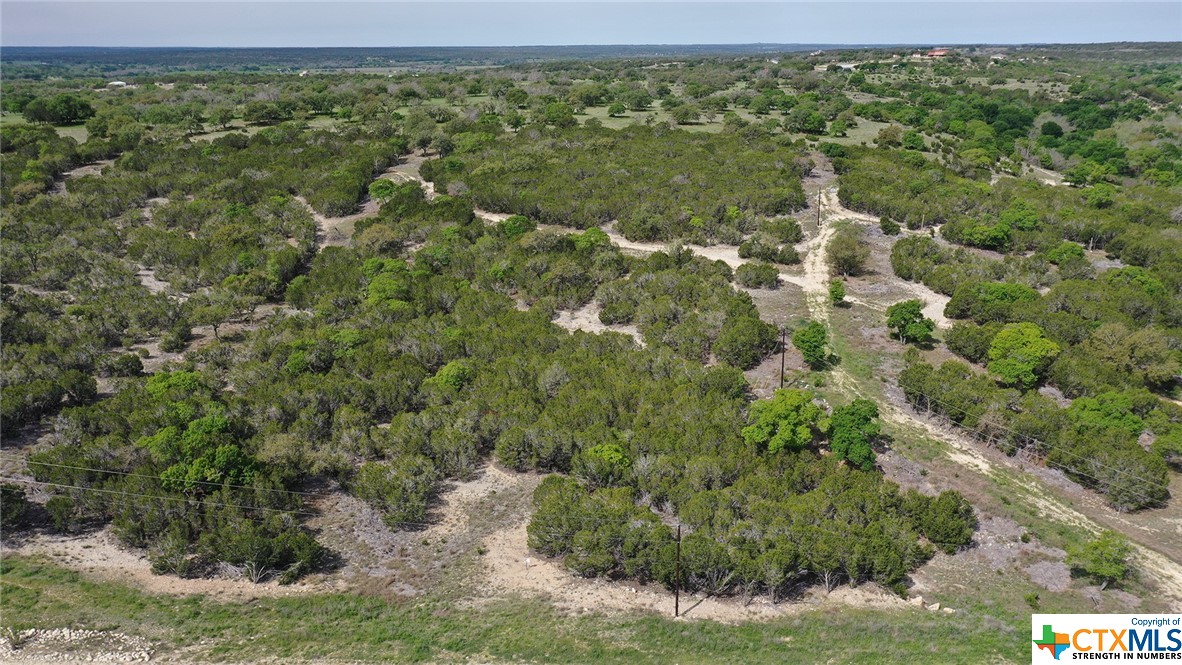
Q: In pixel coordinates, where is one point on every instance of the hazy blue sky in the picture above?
(165, 23)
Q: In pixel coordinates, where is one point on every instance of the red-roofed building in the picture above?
(937, 53)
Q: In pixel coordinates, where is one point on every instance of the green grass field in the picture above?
(76, 132)
(658, 115)
(356, 628)
(1135, 134)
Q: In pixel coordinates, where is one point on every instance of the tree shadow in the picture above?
(793, 593)
(25, 435)
(926, 344)
(882, 444)
(330, 561)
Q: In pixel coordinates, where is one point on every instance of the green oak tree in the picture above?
(908, 324)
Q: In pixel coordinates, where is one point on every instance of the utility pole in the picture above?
(783, 351)
(677, 578)
(818, 208)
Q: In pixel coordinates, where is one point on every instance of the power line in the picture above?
(1028, 439)
(760, 547)
(129, 474)
(161, 497)
(584, 521)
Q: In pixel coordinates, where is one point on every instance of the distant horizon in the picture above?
(190, 24)
(770, 45)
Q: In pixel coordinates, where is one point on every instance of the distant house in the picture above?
(938, 53)
(117, 84)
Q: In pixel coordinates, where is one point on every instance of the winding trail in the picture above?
(1165, 572)
(814, 280)
(94, 168)
(816, 272)
(933, 303)
(338, 231)
(408, 171)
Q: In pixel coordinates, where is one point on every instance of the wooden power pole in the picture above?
(677, 578)
(783, 352)
(818, 208)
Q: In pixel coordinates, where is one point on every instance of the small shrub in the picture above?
(61, 511)
(758, 276)
(127, 364)
(836, 292)
(1105, 559)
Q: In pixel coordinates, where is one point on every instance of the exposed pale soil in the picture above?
(406, 560)
(153, 284)
(1166, 572)
(66, 645)
(513, 568)
(95, 168)
(99, 555)
(338, 231)
(586, 318)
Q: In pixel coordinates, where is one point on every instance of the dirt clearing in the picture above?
(587, 319)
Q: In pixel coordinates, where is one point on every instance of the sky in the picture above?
(557, 22)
